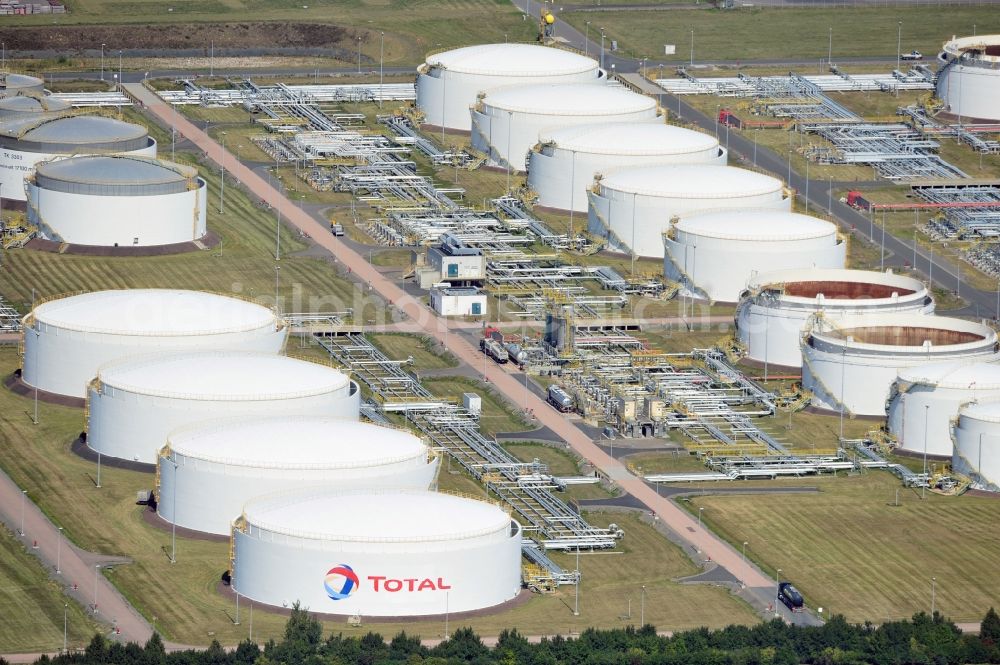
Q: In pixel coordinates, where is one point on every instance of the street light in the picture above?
(65, 625)
(586, 41)
(173, 521)
(692, 48)
(899, 47)
(576, 604)
(923, 488)
(381, 67)
(102, 61)
(359, 55)
(642, 607)
(777, 589)
(933, 590)
(602, 48)
(829, 52)
(699, 516)
(222, 181)
(59, 552)
(24, 500)
(745, 543)
(97, 575)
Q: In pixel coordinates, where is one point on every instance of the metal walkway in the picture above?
(525, 486)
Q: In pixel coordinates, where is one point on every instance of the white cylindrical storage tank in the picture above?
(925, 399)
(117, 200)
(448, 83)
(209, 470)
(506, 123)
(25, 142)
(29, 106)
(774, 309)
(632, 207)
(136, 403)
(377, 553)
(67, 340)
(20, 84)
(969, 77)
(561, 168)
(977, 445)
(714, 255)
(859, 357)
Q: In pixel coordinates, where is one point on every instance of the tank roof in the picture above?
(225, 376)
(379, 516)
(80, 130)
(969, 376)
(19, 81)
(569, 99)
(757, 225)
(298, 442)
(32, 104)
(903, 283)
(976, 47)
(116, 170)
(905, 331)
(154, 312)
(691, 181)
(512, 60)
(629, 138)
(985, 411)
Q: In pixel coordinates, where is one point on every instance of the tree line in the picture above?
(921, 640)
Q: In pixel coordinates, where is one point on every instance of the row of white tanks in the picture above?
(267, 449)
(91, 180)
(649, 188)
(868, 343)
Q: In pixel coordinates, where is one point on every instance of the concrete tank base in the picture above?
(207, 241)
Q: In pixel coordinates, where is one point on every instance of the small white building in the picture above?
(458, 301)
(453, 262)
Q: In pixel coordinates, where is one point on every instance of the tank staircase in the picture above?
(525, 486)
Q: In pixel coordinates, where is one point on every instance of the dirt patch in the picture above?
(249, 35)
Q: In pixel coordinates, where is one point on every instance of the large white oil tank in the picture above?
(715, 254)
(632, 207)
(208, 471)
(24, 142)
(855, 359)
(20, 84)
(117, 200)
(448, 83)
(373, 554)
(562, 166)
(507, 122)
(67, 340)
(136, 403)
(774, 309)
(977, 445)
(22, 106)
(969, 77)
(925, 399)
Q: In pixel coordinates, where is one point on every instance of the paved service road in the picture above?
(78, 567)
(683, 524)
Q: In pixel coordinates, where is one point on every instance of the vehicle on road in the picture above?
(912, 55)
(791, 597)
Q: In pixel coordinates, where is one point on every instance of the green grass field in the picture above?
(183, 596)
(425, 355)
(850, 551)
(243, 265)
(32, 605)
(761, 33)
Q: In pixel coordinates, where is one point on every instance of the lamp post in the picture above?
(899, 46)
(59, 552)
(102, 61)
(277, 273)
(933, 590)
(829, 50)
(359, 55)
(97, 575)
(692, 49)
(586, 41)
(120, 80)
(699, 517)
(777, 588)
(755, 146)
(510, 121)
(381, 66)
(222, 181)
(602, 48)
(576, 604)
(65, 626)
(745, 543)
(923, 488)
(24, 500)
(34, 419)
(173, 521)
(572, 197)
(642, 607)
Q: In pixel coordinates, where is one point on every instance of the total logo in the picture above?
(341, 581)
